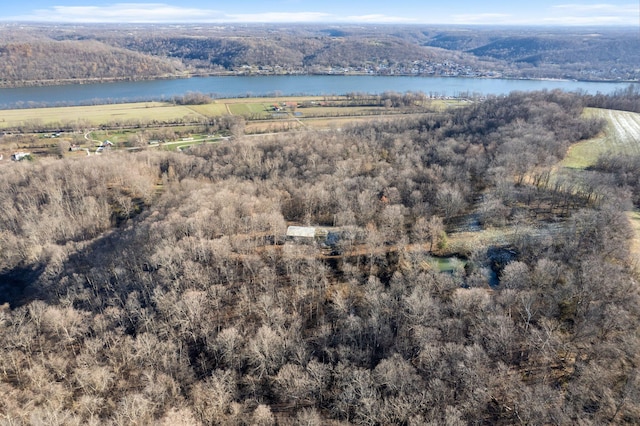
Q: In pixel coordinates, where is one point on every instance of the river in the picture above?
(317, 85)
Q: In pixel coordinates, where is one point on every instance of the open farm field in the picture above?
(621, 136)
(251, 109)
(84, 117)
(94, 115)
(270, 100)
(210, 110)
(138, 124)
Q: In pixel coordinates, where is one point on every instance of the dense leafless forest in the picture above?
(43, 54)
(158, 287)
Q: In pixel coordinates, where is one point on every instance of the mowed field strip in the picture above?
(621, 136)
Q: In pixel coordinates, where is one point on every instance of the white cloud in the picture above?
(594, 14)
(590, 20)
(123, 12)
(602, 7)
(159, 13)
(164, 13)
(378, 18)
(564, 14)
(483, 18)
(280, 17)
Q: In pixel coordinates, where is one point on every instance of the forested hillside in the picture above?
(40, 60)
(41, 54)
(159, 288)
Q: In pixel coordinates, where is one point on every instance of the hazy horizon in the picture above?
(465, 12)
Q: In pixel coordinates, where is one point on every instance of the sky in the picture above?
(461, 12)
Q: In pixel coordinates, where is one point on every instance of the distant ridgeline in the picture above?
(41, 54)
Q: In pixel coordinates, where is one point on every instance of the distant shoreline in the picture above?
(101, 92)
(84, 81)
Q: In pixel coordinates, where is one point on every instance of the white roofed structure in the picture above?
(301, 231)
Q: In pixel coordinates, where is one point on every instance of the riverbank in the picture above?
(254, 73)
(218, 87)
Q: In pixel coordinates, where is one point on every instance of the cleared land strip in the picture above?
(627, 127)
(621, 136)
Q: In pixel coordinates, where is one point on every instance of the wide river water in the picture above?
(316, 85)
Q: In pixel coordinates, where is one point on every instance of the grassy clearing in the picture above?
(442, 104)
(115, 137)
(210, 110)
(119, 136)
(94, 115)
(261, 110)
(621, 136)
(271, 100)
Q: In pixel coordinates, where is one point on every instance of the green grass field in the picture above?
(621, 136)
(251, 109)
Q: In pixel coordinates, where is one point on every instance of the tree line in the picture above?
(46, 61)
(627, 99)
